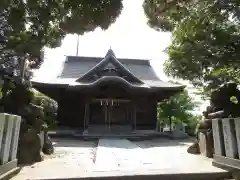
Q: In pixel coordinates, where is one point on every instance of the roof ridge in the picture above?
(89, 58)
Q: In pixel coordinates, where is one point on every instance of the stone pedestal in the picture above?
(7, 137)
(218, 137)
(226, 143)
(229, 138)
(206, 144)
(15, 137)
(237, 128)
(42, 135)
(2, 125)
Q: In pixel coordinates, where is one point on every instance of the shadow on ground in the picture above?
(157, 142)
(73, 143)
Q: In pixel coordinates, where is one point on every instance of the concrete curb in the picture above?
(10, 174)
(179, 176)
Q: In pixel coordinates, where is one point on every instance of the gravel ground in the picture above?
(70, 157)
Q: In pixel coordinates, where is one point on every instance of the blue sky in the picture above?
(129, 37)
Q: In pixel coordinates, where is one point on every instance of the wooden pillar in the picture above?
(134, 117)
(127, 113)
(155, 113)
(105, 115)
(62, 113)
(130, 115)
(59, 114)
(109, 115)
(86, 114)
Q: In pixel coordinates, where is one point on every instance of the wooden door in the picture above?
(118, 115)
(97, 115)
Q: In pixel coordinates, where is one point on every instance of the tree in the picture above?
(7, 56)
(177, 109)
(36, 24)
(205, 42)
(26, 27)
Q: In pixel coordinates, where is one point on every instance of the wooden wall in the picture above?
(97, 115)
(146, 114)
(71, 111)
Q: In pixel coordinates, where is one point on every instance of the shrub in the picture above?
(49, 108)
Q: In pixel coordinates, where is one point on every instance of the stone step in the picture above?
(112, 129)
(153, 176)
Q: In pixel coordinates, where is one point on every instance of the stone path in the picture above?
(76, 158)
(119, 154)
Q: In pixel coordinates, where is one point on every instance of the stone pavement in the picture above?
(118, 154)
(76, 158)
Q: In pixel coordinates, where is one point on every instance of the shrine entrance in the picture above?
(111, 115)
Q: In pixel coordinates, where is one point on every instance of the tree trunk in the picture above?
(170, 123)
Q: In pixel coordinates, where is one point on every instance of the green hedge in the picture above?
(49, 108)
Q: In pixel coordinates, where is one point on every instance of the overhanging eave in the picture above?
(53, 91)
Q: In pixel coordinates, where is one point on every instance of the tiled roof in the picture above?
(77, 66)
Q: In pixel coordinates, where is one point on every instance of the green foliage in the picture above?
(234, 99)
(178, 108)
(192, 124)
(36, 24)
(206, 39)
(49, 108)
(1, 93)
(164, 15)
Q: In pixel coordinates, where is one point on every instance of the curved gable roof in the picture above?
(109, 59)
(76, 67)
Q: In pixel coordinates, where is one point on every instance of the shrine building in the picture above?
(107, 92)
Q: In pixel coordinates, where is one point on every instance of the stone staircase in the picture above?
(113, 129)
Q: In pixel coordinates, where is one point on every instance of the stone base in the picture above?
(236, 175)
(205, 145)
(134, 135)
(228, 164)
(9, 166)
(8, 175)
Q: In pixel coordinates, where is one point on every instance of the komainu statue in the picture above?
(223, 104)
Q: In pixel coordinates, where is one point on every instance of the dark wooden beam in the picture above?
(110, 100)
(105, 115)
(134, 117)
(86, 115)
